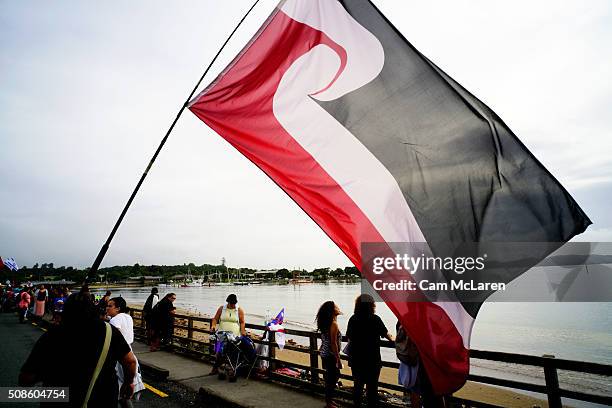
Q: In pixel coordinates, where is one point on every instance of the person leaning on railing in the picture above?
(364, 331)
(162, 320)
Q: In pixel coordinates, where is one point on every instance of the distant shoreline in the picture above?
(178, 284)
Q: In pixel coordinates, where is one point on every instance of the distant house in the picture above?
(265, 274)
(142, 280)
(133, 281)
(151, 280)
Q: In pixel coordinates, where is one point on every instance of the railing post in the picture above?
(272, 349)
(132, 316)
(552, 383)
(314, 359)
(190, 328)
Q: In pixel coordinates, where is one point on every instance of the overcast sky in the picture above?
(88, 89)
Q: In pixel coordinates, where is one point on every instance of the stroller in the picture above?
(237, 354)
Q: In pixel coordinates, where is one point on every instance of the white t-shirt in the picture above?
(125, 324)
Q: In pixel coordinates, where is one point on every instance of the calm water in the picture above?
(576, 331)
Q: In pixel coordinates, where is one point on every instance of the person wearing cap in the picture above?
(229, 318)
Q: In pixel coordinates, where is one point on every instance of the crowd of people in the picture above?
(103, 330)
(103, 349)
(100, 331)
(33, 302)
(365, 331)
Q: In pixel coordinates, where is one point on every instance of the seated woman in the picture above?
(229, 318)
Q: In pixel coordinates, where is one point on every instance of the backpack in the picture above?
(405, 349)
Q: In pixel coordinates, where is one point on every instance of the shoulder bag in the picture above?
(107, 339)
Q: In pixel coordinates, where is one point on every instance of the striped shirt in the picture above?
(325, 349)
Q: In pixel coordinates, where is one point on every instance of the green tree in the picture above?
(321, 272)
(351, 270)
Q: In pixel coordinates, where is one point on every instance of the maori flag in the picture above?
(377, 144)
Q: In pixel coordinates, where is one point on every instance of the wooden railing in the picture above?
(185, 340)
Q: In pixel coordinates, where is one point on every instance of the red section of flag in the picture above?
(239, 106)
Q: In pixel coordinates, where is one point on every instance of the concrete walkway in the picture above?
(16, 341)
(243, 393)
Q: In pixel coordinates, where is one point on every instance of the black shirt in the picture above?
(364, 333)
(42, 295)
(67, 357)
(148, 306)
(162, 318)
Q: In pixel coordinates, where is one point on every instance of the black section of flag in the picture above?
(464, 174)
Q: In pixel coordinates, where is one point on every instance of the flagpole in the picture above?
(106, 245)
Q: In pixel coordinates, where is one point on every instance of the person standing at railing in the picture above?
(408, 355)
(412, 374)
(364, 331)
(162, 320)
(331, 338)
(147, 310)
